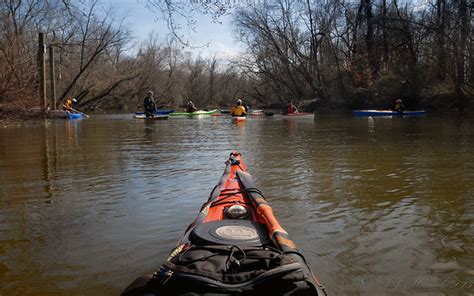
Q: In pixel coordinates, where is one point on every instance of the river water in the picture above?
(379, 206)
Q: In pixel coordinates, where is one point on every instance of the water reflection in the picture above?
(377, 205)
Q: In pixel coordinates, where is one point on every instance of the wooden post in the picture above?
(42, 69)
(52, 77)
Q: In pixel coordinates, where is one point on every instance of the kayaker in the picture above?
(246, 107)
(191, 108)
(399, 106)
(290, 108)
(149, 105)
(238, 109)
(68, 104)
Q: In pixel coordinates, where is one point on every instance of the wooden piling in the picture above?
(42, 70)
(52, 75)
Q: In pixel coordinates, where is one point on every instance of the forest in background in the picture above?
(323, 55)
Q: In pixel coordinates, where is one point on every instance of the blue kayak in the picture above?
(366, 113)
(71, 115)
(157, 112)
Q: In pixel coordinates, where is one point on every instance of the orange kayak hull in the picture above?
(234, 246)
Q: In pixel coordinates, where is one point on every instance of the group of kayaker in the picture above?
(240, 108)
(149, 104)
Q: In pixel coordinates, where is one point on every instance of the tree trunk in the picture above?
(461, 53)
(440, 46)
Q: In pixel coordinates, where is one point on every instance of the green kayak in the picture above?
(196, 113)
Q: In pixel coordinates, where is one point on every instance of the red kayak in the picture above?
(238, 119)
(299, 114)
(235, 246)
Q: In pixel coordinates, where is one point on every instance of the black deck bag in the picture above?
(229, 270)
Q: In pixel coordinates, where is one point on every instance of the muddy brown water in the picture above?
(379, 206)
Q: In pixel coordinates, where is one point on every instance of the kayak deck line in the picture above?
(157, 112)
(195, 113)
(235, 245)
(238, 119)
(155, 117)
(258, 112)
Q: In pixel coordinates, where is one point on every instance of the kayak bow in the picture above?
(235, 246)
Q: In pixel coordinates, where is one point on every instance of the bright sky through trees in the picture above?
(208, 38)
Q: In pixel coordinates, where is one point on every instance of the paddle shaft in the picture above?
(73, 110)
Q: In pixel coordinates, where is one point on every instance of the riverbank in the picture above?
(16, 116)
